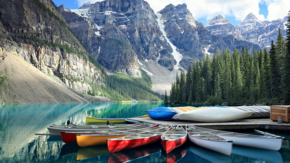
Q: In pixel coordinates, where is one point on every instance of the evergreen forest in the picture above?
(258, 77)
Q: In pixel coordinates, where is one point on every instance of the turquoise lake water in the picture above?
(19, 123)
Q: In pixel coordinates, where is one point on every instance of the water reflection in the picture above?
(150, 153)
(205, 155)
(257, 154)
(176, 155)
(88, 152)
(19, 123)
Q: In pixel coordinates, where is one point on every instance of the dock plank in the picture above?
(239, 124)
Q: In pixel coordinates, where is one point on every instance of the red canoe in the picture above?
(150, 135)
(173, 138)
(71, 137)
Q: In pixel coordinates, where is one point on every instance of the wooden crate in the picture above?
(280, 110)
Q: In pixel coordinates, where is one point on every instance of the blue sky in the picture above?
(204, 10)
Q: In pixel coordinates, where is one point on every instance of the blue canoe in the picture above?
(161, 113)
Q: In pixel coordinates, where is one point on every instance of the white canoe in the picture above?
(213, 114)
(57, 129)
(255, 141)
(210, 141)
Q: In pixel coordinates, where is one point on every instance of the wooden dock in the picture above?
(243, 124)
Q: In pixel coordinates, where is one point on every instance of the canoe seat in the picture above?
(83, 127)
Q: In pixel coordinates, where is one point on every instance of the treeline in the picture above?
(121, 87)
(243, 78)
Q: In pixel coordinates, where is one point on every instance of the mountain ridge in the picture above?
(251, 29)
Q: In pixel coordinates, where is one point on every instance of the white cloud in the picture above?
(277, 8)
(211, 8)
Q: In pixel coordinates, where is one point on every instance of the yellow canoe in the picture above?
(90, 140)
(105, 120)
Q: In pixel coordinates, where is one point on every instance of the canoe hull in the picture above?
(111, 120)
(213, 114)
(263, 143)
(170, 145)
(222, 147)
(71, 137)
(118, 145)
(103, 120)
(86, 140)
(68, 137)
(161, 113)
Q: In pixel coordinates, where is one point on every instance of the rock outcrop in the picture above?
(36, 31)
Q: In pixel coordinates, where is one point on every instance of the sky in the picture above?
(204, 10)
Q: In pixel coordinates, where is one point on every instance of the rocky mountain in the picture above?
(130, 21)
(191, 38)
(36, 31)
(159, 43)
(220, 26)
(250, 29)
(171, 37)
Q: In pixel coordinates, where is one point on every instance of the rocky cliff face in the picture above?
(36, 31)
(191, 38)
(250, 29)
(131, 21)
(261, 32)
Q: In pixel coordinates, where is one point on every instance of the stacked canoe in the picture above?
(131, 136)
(202, 114)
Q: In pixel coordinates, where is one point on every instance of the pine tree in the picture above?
(188, 81)
(261, 84)
(206, 73)
(266, 75)
(166, 98)
(251, 82)
(190, 97)
(286, 75)
(182, 88)
(237, 79)
(280, 49)
(275, 73)
(193, 81)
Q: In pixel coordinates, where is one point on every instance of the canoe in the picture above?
(111, 120)
(255, 141)
(57, 129)
(85, 140)
(161, 113)
(136, 140)
(166, 113)
(213, 114)
(210, 141)
(70, 137)
(173, 139)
